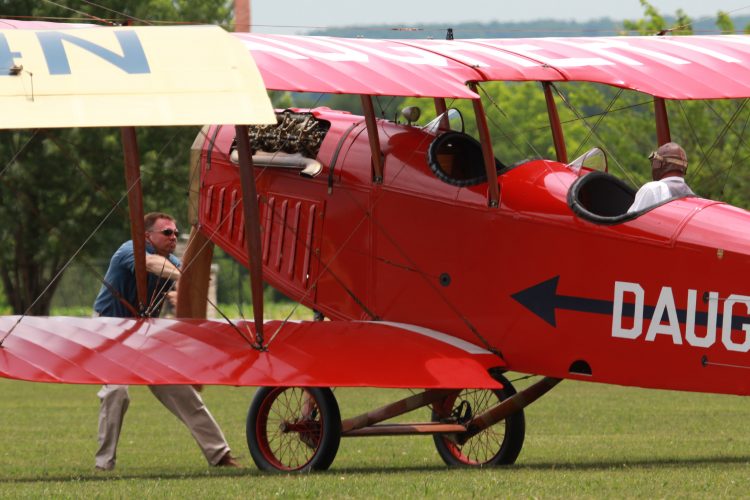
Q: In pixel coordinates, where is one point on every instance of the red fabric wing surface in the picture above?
(189, 351)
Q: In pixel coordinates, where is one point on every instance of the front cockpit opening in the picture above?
(456, 158)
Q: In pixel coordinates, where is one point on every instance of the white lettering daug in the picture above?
(629, 295)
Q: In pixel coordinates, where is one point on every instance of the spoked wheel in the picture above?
(293, 428)
(496, 445)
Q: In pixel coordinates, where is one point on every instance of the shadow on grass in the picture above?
(250, 471)
(96, 476)
(568, 466)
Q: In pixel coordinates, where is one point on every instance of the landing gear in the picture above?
(299, 429)
(499, 444)
(293, 428)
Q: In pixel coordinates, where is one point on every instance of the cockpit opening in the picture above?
(456, 158)
(601, 198)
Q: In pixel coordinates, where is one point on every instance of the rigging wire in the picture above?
(85, 14)
(74, 160)
(132, 18)
(254, 344)
(592, 129)
(727, 126)
(615, 110)
(501, 129)
(64, 267)
(517, 29)
(585, 122)
(734, 157)
(17, 153)
(41, 219)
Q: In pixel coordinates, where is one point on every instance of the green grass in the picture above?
(584, 440)
(271, 310)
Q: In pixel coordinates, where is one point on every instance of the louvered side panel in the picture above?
(291, 233)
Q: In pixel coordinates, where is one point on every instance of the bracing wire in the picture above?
(600, 118)
(65, 266)
(132, 18)
(497, 126)
(720, 137)
(735, 154)
(585, 122)
(18, 153)
(85, 14)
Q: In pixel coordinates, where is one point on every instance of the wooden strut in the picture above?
(366, 424)
(196, 261)
(442, 110)
(135, 205)
(196, 275)
(406, 429)
(493, 191)
(506, 408)
(372, 134)
(663, 135)
(252, 227)
(363, 425)
(554, 121)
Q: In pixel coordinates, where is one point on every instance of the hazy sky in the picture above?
(296, 16)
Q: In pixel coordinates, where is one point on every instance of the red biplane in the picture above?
(430, 256)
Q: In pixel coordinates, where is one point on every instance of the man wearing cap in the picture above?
(668, 167)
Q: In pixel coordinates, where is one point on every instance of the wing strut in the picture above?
(252, 226)
(663, 135)
(135, 204)
(554, 121)
(372, 134)
(489, 157)
(442, 110)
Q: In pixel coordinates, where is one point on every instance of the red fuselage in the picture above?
(659, 300)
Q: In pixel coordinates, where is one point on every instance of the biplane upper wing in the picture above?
(671, 67)
(53, 75)
(161, 351)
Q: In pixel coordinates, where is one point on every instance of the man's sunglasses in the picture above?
(167, 232)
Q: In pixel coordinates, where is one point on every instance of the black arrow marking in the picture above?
(542, 299)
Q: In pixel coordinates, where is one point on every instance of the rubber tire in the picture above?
(508, 449)
(328, 421)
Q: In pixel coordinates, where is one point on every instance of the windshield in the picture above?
(593, 159)
(451, 120)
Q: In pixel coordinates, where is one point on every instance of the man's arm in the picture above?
(160, 266)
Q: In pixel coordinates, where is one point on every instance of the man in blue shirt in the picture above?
(118, 298)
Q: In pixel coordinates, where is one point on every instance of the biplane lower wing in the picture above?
(195, 351)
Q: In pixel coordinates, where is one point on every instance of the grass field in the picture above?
(582, 440)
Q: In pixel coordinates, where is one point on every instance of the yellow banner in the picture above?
(145, 76)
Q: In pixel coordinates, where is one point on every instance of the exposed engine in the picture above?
(294, 132)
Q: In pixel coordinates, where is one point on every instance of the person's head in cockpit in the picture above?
(669, 160)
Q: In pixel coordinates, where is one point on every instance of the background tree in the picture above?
(58, 186)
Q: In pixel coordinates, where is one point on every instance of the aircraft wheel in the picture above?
(293, 428)
(497, 445)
